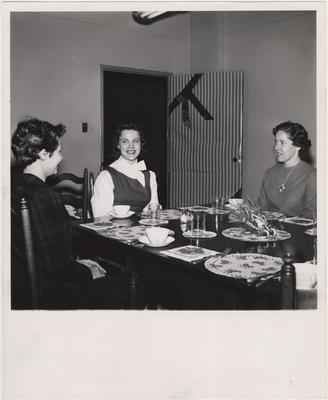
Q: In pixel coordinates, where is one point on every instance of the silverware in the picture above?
(275, 276)
(263, 277)
(225, 252)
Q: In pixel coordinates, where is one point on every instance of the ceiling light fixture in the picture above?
(148, 17)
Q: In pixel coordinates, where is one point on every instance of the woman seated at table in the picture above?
(63, 282)
(126, 181)
(289, 187)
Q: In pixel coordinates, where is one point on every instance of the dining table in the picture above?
(183, 274)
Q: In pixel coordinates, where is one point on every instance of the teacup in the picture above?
(121, 210)
(157, 235)
(306, 276)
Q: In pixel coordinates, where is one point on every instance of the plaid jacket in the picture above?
(60, 276)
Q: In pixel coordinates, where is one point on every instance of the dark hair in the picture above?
(129, 126)
(298, 135)
(31, 136)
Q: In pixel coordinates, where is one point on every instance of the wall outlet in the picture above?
(84, 127)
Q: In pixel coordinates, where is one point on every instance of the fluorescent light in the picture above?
(151, 14)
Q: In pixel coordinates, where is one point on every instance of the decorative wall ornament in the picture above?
(187, 95)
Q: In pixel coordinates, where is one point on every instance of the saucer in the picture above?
(156, 222)
(145, 240)
(120, 216)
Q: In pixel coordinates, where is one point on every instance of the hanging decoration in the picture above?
(187, 95)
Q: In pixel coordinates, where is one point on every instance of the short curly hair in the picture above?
(129, 126)
(31, 136)
(298, 135)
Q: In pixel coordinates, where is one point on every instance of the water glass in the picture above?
(217, 203)
(154, 211)
(198, 224)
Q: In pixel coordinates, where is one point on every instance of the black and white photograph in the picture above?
(164, 182)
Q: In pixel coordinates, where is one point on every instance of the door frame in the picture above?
(126, 70)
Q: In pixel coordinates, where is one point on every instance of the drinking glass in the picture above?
(217, 203)
(198, 224)
(154, 211)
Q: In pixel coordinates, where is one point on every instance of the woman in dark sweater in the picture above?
(63, 282)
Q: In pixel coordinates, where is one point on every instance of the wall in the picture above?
(56, 59)
(55, 69)
(277, 52)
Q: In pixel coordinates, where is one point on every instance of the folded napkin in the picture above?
(96, 270)
(189, 253)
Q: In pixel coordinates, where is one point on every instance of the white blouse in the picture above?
(103, 198)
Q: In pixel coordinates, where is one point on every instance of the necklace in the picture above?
(282, 187)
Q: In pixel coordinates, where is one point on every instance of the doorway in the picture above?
(141, 98)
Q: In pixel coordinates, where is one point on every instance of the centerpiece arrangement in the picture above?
(252, 215)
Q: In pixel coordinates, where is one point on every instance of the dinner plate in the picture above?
(273, 215)
(205, 235)
(197, 208)
(298, 221)
(122, 216)
(244, 266)
(145, 240)
(247, 236)
(219, 211)
(150, 222)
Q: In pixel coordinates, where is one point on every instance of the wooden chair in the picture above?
(91, 184)
(74, 190)
(29, 252)
(91, 191)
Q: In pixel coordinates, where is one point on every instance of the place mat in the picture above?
(102, 225)
(189, 253)
(244, 266)
(205, 235)
(311, 231)
(247, 236)
(151, 222)
(298, 221)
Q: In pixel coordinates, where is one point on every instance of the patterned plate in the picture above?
(244, 266)
(273, 215)
(298, 221)
(206, 235)
(197, 208)
(246, 236)
(151, 222)
(127, 234)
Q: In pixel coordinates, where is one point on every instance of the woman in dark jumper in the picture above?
(126, 181)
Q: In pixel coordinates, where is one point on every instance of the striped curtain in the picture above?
(204, 159)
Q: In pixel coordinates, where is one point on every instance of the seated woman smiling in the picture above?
(290, 186)
(126, 181)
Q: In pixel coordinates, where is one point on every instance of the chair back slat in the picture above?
(86, 199)
(74, 190)
(30, 258)
(91, 192)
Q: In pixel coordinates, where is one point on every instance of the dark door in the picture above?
(141, 99)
